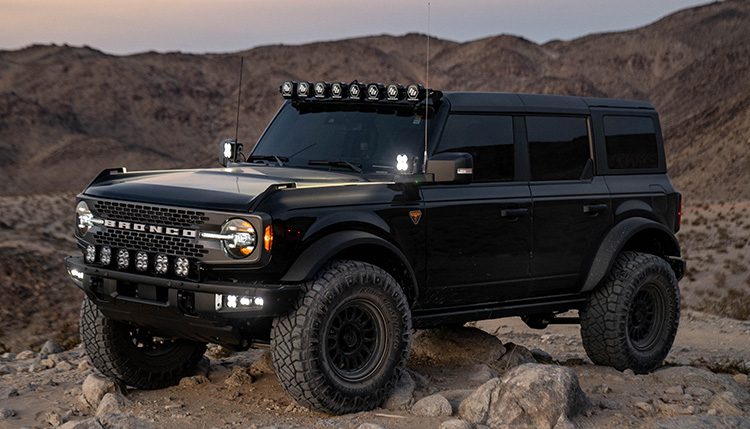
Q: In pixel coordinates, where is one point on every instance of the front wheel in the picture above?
(339, 350)
(631, 320)
(133, 355)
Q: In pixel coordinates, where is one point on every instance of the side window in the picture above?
(631, 142)
(489, 140)
(558, 147)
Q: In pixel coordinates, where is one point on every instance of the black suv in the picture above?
(365, 211)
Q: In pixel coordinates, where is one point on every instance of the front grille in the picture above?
(130, 212)
(136, 240)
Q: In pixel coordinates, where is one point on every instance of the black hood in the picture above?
(231, 189)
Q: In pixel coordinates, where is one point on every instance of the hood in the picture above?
(230, 189)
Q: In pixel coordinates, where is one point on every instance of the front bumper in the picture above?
(184, 309)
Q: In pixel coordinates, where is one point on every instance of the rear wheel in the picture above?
(134, 355)
(631, 320)
(341, 348)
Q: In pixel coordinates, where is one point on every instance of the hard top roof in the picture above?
(500, 101)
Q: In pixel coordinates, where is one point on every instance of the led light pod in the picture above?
(355, 91)
(337, 90)
(320, 90)
(181, 266)
(303, 89)
(161, 264)
(287, 89)
(90, 254)
(141, 261)
(393, 92)
(374, 92)
(105, 255)
(413, 92)
(123, 259)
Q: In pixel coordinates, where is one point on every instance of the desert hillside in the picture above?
(62, 106)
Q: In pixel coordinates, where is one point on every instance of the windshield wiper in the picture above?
(279, 159)
(344, 164)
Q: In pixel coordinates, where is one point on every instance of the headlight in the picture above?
(240, 238)
(85, 218)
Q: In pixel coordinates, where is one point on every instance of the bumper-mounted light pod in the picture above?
(181, 266)
(75, 274)
(236, 301)
(141, 261)
(105, 255)
(161, 264)
(303, 89)
(319, 89)
(287, 89)
(123, 258)
(90, 253)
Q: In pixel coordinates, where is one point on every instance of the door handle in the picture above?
(594, 209)
(513, 213)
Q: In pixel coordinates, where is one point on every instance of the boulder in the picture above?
(110, 403)
(514, 356)
(122, 421)
(456, 396)
(239, 377)
(402, 395)
(528, 396)
(193, 381)
(50, 347)
(432, 406)
(481, 373)
(95, 387)
(700, 422)
(458, 346)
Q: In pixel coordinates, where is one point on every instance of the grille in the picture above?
(136, 240)
(148, 214)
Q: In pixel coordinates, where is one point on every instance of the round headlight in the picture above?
(243, 238)
(84, 217)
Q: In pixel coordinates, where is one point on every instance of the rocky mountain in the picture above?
(67, 112)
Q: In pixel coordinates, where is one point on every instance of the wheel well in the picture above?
(653, 241)
(383, 258)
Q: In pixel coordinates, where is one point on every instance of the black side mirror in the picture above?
(451, 167)
(229, 151)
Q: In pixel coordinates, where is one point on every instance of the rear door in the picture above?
(479, 234)
(572, 207)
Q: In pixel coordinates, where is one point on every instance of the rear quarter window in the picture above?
(631, 143)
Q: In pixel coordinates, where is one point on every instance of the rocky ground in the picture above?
(495, 376)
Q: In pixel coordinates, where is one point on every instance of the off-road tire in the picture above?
(615, 322)
(302, 341)
(112, 351)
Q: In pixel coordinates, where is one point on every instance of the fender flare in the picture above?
(321, 251)
(615, 241)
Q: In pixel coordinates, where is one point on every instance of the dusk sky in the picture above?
(229, 25)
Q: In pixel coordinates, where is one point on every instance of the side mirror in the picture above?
(229, 151)
(451, 167)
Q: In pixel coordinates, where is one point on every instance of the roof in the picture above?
(512, 102)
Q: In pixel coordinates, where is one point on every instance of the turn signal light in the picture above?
(268, 238)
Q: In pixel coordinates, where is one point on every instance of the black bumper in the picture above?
(183, 309)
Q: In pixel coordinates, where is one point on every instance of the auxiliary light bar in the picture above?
(354, 91)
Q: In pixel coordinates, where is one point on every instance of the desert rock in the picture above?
(432, 406)
(95, 387)
(456, 346)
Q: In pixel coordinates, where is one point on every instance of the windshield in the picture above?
(370, 140)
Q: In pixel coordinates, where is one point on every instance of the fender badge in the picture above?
(415, 215)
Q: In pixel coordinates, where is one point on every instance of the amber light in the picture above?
(268, 238)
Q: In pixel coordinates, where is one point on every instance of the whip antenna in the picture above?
(427, 90)
(239, 98)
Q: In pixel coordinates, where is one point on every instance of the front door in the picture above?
(478, 234)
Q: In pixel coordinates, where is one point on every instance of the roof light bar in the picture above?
(355, 91)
